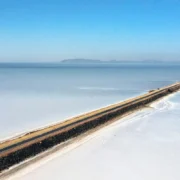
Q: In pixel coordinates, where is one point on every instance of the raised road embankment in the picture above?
(17, 150)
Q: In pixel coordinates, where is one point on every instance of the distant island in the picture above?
(94, 61)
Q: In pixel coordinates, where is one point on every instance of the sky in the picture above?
(53, 30)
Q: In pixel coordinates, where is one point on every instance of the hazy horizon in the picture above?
(91, 61)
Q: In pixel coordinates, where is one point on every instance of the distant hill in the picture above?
(81, 61)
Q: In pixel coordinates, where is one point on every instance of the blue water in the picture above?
(74, 80)
(32, 96)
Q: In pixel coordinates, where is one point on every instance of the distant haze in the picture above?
(53, 30)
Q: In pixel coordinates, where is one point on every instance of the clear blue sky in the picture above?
(52, 30)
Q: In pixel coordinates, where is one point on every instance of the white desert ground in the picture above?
(142, 146)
